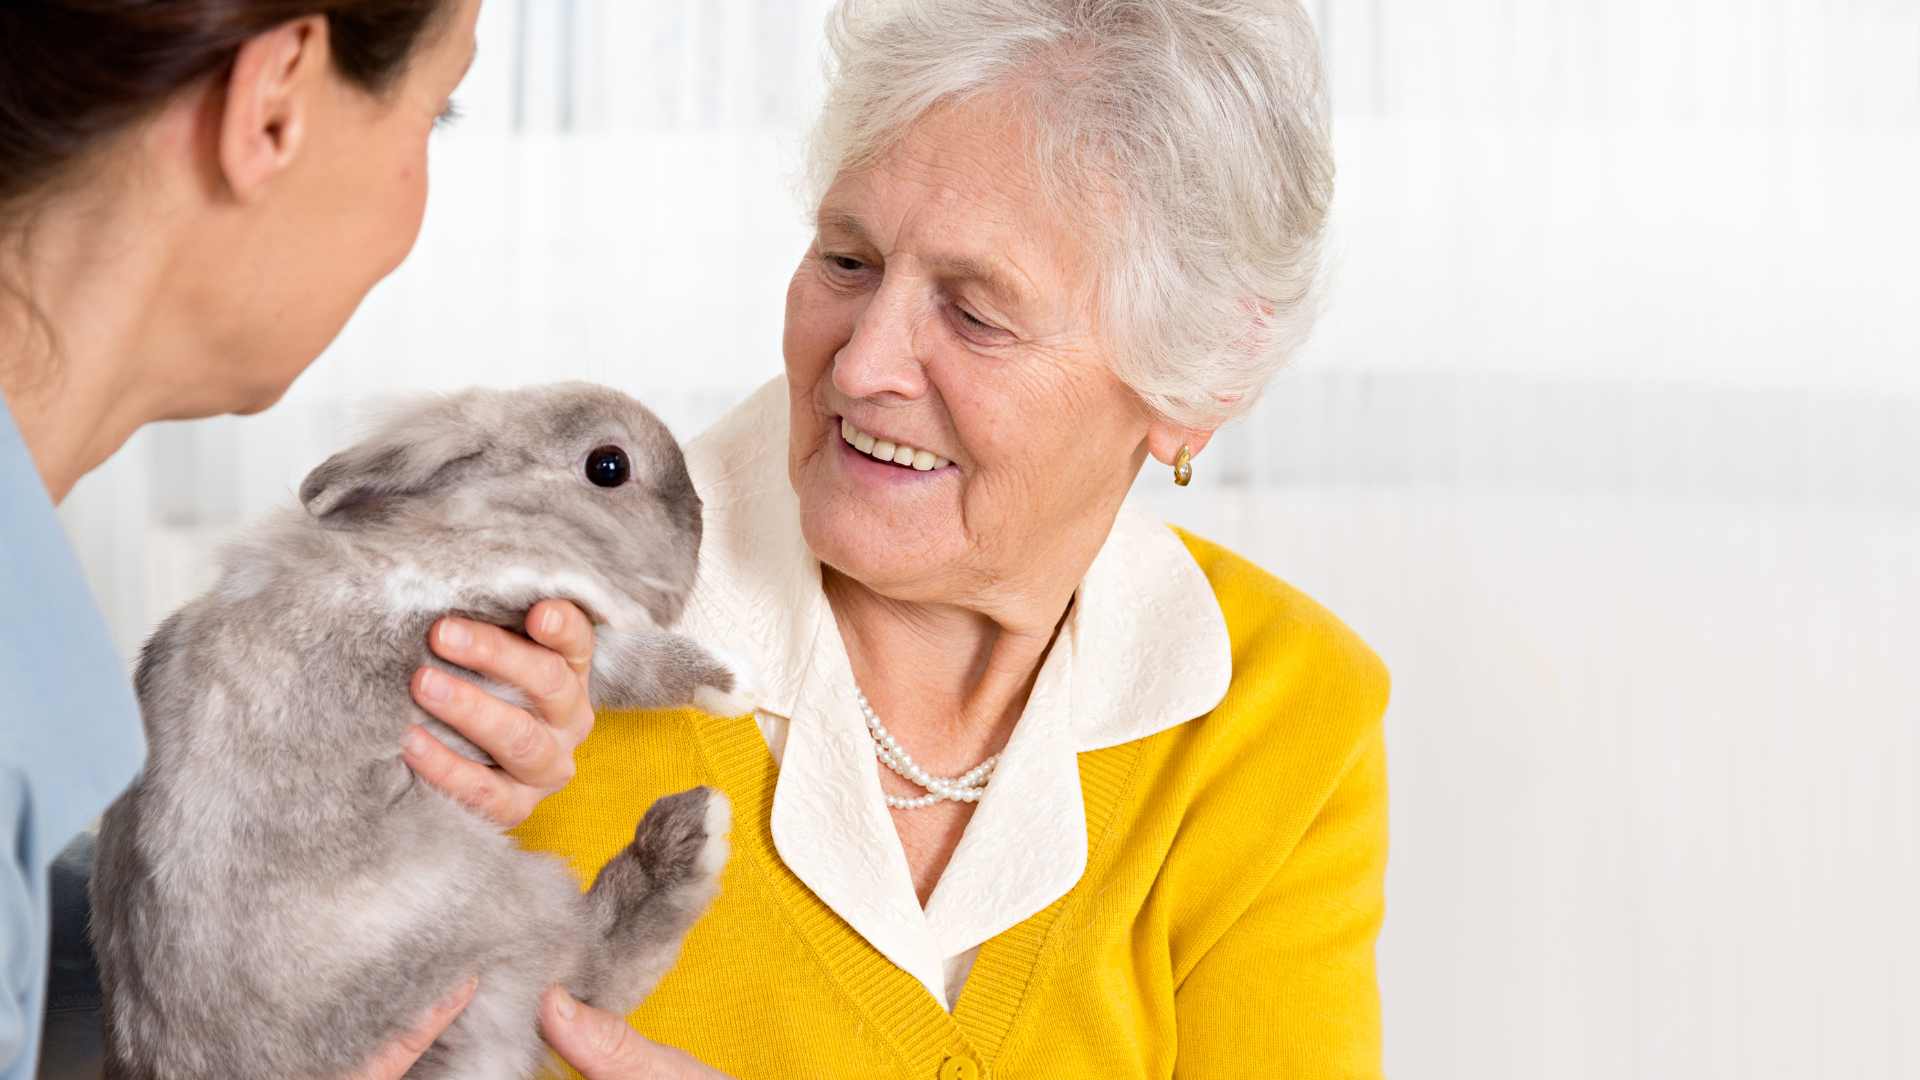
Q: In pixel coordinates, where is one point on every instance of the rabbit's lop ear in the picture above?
(403, 461)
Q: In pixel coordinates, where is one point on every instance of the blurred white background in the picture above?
(1608, 445)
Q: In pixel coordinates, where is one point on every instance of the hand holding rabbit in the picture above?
(532, 748)
(602, 1046)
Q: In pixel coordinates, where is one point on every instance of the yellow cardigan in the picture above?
(1224, 926)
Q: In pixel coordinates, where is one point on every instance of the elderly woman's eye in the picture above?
(845, 263)
(974, 324)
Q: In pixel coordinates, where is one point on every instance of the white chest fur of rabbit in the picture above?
(278, 895)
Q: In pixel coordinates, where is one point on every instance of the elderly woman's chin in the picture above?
(886, 525)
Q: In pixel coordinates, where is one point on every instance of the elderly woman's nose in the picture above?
(881, 357)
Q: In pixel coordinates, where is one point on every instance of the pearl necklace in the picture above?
(969, 786)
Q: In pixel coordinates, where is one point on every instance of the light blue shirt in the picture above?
(70, 734)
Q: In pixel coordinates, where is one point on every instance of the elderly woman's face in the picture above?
(945, 309)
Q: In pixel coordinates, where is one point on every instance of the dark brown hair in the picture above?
(73, 73)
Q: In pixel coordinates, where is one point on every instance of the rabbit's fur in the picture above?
(278, 896)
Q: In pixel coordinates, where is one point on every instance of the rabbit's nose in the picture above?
(689, 515)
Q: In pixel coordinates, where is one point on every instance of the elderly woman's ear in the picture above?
(1164, 440)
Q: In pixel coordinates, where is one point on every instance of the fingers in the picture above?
(532, 749)
(489, 792)
(555, 688)
(565, 629)
(528, 749)
(601, 1046)
(597, 1043)
(393, 1060)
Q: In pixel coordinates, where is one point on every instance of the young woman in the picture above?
(195, 195)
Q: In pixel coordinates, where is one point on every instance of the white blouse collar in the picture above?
(1144, 648)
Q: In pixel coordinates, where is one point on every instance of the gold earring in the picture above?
(1183, 466)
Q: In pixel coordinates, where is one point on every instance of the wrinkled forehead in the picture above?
(963, 190)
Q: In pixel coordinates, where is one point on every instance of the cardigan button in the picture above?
(960, 1068)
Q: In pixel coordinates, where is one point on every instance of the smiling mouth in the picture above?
(906, 457)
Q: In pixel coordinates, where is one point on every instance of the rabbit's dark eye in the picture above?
(607, 467)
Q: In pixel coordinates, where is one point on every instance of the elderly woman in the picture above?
(1038, 786)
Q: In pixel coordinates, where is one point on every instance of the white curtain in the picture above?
(1608, 444)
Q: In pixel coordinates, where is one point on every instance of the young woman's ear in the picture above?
(269, 95)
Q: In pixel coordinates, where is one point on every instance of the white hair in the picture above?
(1206, 118)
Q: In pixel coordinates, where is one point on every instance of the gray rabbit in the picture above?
(277, 895)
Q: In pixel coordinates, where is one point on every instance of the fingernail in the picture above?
(415, 742)
(549, 621)
(455, 634)
(563, 1003)
(466, 988)
(435, 686)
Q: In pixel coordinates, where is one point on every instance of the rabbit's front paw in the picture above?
(649, 895)
(682, 840)
(741, 694)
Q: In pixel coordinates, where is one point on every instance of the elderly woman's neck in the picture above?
(959, 668)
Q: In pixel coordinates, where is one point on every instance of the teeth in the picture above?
(884, 450)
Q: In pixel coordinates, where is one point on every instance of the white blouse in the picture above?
(1143, 648)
